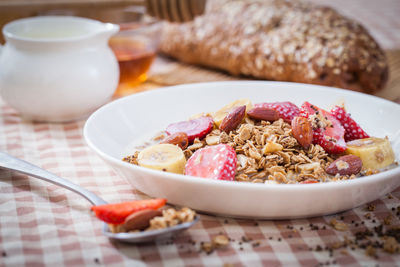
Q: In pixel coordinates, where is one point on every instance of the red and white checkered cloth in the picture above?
(45, 225)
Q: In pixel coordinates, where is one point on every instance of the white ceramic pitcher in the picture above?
(57, 68)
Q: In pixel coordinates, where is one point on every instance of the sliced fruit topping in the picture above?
(163, 157)
(287, 110)
(196, 128)
(180, 139)
(263, 113)
(375, 153)
(233, 119)
(215, 162)
(309, 182)
(221, 114)
(328, 132)
(353, 131)
(302, 131)
(331, 144)
(345, 165)
(117, 213)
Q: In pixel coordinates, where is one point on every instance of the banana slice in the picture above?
(163, 157)
(221, 114)
(375, 153)
(198, 115)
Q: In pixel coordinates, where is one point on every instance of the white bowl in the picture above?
(113, 129)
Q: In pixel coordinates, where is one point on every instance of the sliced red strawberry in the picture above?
(287, 110)
(215, 162)
(196, 128)
(309, 182)
(116, 213)
(328, 132)
(353, 131)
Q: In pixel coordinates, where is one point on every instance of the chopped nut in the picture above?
(308, 166)
(340, 226)
(337, 245)
(212, 140)
(391, 245)
(195, 146)
(245, 132)
(280, 177)
(116, 228)
(388, 220)
(253, 152)
(220, 241)
(271, 147)
(171, 217)
(159, 137)
(207, 247)
(270, 182)
(370, 251)
(371, 207)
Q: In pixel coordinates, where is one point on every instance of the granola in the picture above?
(267, 151)
(301, 146)
(170, 217)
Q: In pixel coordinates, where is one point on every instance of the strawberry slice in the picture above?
(196, 128)
(117, 213)
(215, 162)
(287, 110)
(352, 129)
(328, 132)
(309, 182)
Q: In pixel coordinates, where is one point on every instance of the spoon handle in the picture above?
(14, 164)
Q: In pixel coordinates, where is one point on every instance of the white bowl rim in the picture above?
(254, 186)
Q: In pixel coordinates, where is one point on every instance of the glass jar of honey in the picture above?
(135, 47)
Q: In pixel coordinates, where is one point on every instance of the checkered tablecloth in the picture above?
(45, 225)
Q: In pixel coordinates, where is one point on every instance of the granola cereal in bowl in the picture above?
(269, 143)
(252, 149)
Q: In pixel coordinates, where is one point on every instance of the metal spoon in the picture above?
(14, 164)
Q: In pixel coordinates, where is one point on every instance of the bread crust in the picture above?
(281, 40)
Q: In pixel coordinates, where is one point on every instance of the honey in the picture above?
(134, 59)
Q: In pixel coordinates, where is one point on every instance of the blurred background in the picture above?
(381, 18)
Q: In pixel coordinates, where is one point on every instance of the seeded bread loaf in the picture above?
(281, 40)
